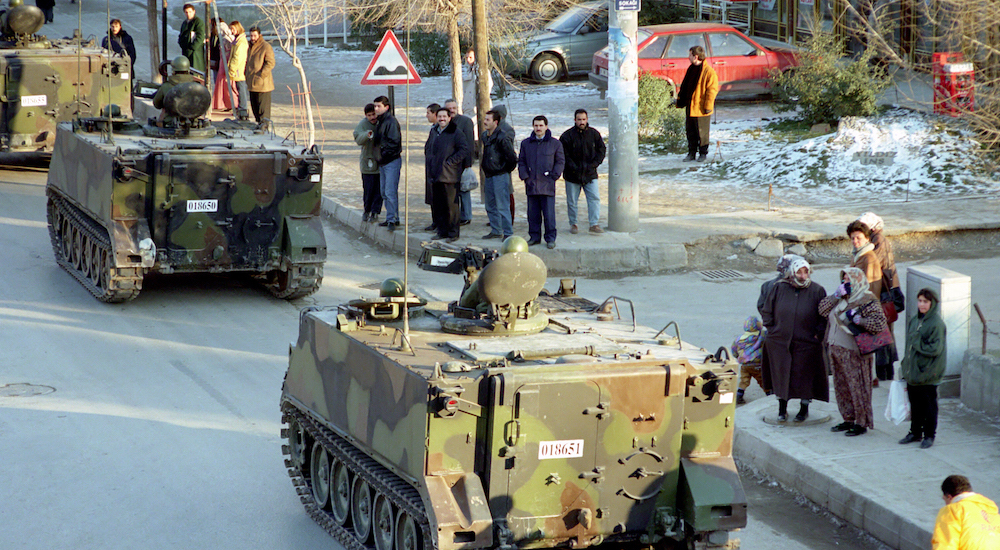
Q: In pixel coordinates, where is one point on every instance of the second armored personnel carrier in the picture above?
(515, 419)
(126, 199)
(45, 81)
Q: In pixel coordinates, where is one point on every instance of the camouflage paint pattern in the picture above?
(259, 196)
(574, 451)
(37, 79)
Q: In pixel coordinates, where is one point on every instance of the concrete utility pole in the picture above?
(481, 34)
(623, 117)
(154, 42)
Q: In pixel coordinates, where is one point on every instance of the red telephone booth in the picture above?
(954, 84)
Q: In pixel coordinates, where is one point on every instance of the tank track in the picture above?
(299, 281)
(402, 495)
(119, 285)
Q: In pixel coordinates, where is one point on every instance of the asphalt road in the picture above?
(156, 423)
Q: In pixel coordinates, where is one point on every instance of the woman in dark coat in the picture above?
(852, 306)
(794, 342)
(923, 367)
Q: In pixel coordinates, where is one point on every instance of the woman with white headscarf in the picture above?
(852, 305)
(794, 343)
(890, 291)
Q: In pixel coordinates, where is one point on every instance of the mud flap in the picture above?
(459, 511)
(304, 241)
(132, 244)
(712, 497)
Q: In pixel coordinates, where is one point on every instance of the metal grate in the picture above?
(722, 274)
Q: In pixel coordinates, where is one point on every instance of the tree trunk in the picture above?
(152, 8)
(455, 49)
(306, 99)
(481, 36)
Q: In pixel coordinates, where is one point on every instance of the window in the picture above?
(654, 49)
(730, 45)
(682, 43)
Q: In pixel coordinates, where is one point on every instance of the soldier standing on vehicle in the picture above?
(499, 160)
(697, 98)
(585, 150)
(182, 73)
(192, 39)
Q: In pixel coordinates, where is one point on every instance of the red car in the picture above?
(743, 64)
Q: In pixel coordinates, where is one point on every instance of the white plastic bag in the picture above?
(897, 409)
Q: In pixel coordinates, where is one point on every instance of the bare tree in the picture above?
(288, 18)
(969, 27)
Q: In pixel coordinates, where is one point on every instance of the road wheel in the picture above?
(361, 509)
(340, 492)
(546, 69)
(407, 533)
(296, 445)
(77, 251)
(383, 523)
(319, 475)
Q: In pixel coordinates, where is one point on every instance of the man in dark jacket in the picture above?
(467, 127)
(192, 39)
(120, 43)
(584, 148)
(499, 159)
(539, 164)
(388, 147)
(444, 152)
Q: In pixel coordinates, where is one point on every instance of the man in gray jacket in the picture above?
(363, 134)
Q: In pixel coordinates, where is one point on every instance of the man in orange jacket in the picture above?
(697, 97)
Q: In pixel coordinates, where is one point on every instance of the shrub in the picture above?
(826, 87)
(429, 53)
(659, 118)
(658, 12)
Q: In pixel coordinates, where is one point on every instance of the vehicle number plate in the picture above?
(34, 101)
(569, 448)
(207, 205)
(602, 71)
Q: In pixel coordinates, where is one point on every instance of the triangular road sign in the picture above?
(390, 66)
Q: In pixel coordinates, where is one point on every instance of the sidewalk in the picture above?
(892, 491)
(662, 243)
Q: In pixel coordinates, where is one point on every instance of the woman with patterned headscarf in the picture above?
(852, 305)
(794, 343)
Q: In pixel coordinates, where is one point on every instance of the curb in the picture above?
(828, 485)
(620, 253)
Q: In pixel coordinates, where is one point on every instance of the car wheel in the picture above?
(546, 69)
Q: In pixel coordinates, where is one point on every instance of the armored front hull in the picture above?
(589, 432)
(123, 204)
(38, 76)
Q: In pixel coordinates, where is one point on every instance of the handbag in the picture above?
(890, 311)
(868, 342)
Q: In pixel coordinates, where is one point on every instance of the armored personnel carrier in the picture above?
(515, 419)
(39, 79)
(126, 199)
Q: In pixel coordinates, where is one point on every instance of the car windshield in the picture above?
(569, 21)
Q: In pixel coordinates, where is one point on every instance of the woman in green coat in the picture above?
(923, 366)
